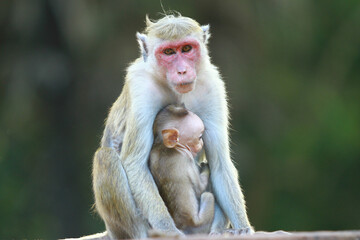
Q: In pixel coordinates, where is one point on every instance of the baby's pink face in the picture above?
(191, 131)
(178, 59)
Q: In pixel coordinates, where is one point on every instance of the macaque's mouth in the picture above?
(184, 84)
(184, 87)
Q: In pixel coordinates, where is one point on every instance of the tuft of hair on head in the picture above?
(167, 113)
(172, 27)
(177, 110)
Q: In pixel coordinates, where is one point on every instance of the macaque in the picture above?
(174, 68)
(177, 142)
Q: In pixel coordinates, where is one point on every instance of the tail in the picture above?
(97, 236)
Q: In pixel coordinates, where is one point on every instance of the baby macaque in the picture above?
(177, 142)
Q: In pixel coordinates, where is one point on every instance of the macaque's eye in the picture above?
(169, 51)
(200, 137)
(186, 48)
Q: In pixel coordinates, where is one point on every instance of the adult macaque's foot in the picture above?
(232, 231)
(215, 233)
(242, 231)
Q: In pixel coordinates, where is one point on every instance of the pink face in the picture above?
(179, 59)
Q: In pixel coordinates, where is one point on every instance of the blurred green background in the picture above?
(292, 70)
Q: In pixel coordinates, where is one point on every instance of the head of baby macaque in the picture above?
(181, 129)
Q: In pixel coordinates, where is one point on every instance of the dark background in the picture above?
(292, 71)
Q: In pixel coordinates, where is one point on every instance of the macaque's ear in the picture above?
(142, 40)
(170, 137)
(206, 33)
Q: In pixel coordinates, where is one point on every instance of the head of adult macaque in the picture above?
(175, 55)
(178, 60)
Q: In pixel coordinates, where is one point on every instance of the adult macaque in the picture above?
(174, 67)
(177, 142)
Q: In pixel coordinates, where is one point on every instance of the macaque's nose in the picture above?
(181, 69)
(182, 72)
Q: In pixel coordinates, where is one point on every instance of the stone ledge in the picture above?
(322, 235)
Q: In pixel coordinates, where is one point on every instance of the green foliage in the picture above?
(292, 70)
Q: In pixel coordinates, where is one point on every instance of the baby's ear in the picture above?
(170, 137)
